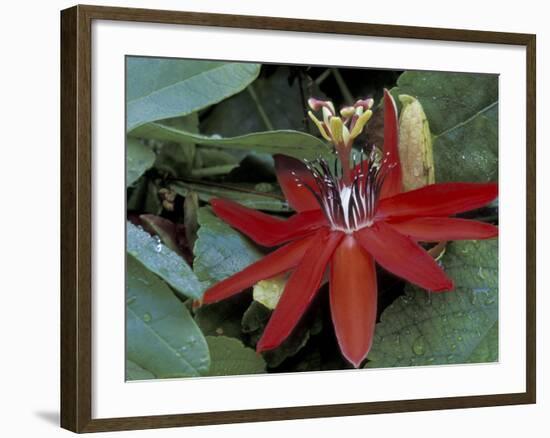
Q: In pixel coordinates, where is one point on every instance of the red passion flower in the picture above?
(350, 215)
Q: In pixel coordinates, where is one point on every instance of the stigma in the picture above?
(349, 204)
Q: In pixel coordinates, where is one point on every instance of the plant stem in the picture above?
(321, 78)
(260, 108)
(342, 85)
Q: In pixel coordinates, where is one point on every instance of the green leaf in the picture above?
(210, 157)
(213, 171)
(162, 338)
(220, 251)
(294, 143)
(224, 317)
(242, 193)
(229, 357)
(255, 320)
(164, 88)
(164, 262)
(269, 291)
(135, 372)
(139, 158)
(459, 326)
(271, 102)
(462, 109)
(177, 159)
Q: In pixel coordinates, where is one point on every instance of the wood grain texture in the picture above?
(531, 215)
(69, 346)
(76, 225)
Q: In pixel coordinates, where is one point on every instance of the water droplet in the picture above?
(183, 348)
(130, 300)
(158, 244)
(147, 317)
(481, 273)
(397, 340)
(450, 357)
(453, 346)
(418, 346)
(219, 331)
(459, 338)
(407, 298)
(431, 359)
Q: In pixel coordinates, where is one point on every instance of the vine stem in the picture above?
(342, 85)
(260, 108)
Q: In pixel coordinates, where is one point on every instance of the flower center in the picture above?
(350, 206)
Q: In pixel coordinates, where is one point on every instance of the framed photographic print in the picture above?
(338, 215)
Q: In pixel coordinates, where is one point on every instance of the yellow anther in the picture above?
(327, 115)
(319, 125)
(360, 124)
(336, 128)
(346, 135)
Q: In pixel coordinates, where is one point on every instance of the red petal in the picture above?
(403, 257)
(394, 180)
(435, 229)
(353, 297)
(277, 262)
(293, 175)
(299, 290)
(438, 200)
(264, 229)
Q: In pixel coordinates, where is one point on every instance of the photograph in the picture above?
(285, 218)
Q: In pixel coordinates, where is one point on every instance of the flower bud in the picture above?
(415, 145)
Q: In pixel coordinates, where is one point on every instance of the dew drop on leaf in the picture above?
(158, 244)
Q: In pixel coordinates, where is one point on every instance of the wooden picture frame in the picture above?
(76, 218)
